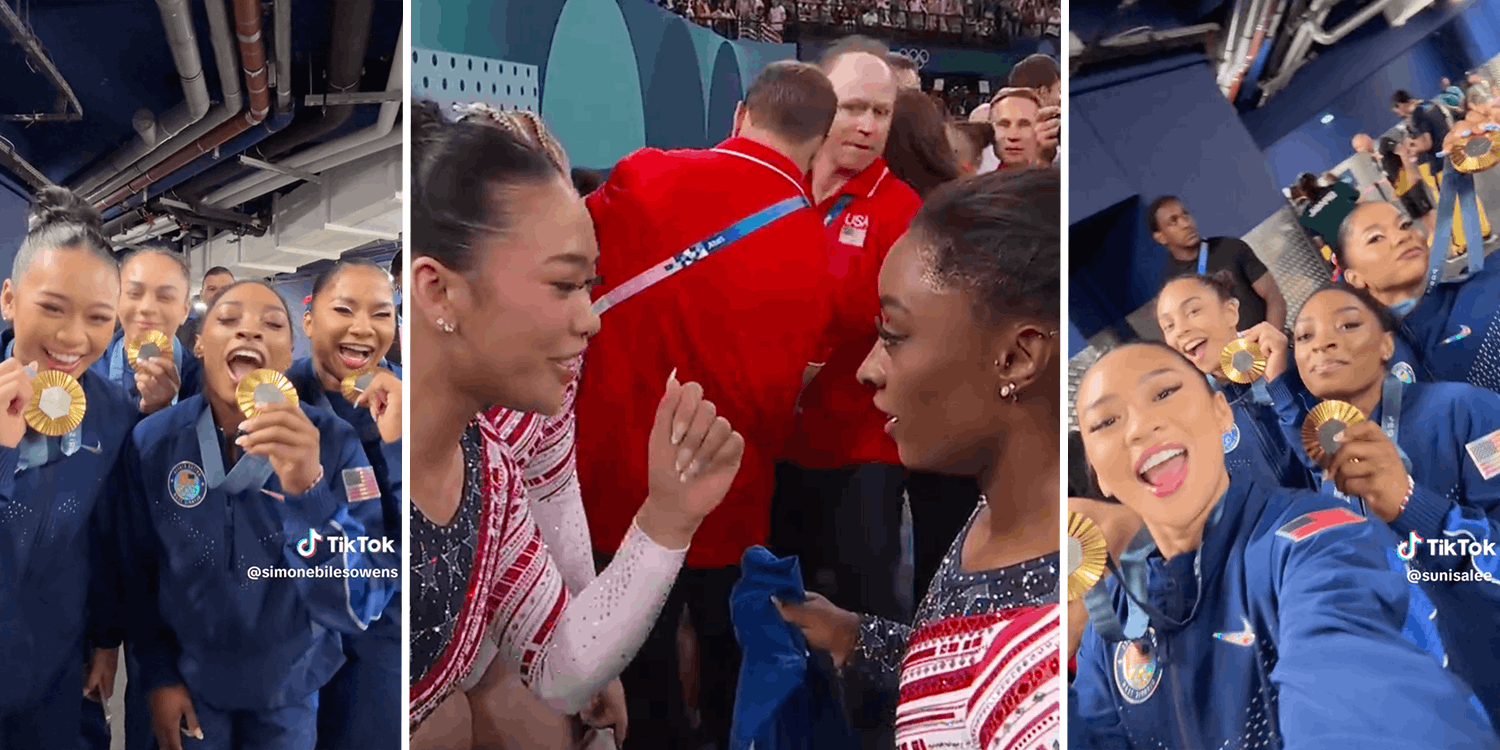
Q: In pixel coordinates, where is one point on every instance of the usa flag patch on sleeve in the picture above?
(1310, 525)
(359, 484)
(1485, 453)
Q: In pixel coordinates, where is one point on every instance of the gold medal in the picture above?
(152, 343)
(1477, 152)
(263, 387)
(57, 404)
(355, 383)
(1323, 422)
(1087, 555)
(1242, 362)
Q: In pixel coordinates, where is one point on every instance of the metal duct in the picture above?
(283, 31)
(1355, 21)
(247, 19)
(349, 40)
(70, 108)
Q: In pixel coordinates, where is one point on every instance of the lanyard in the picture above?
(1457, 188)
(250, 473)
(837, 208)
(1203, 258)
(1133, 573)
(698, 251)
(1390, 416)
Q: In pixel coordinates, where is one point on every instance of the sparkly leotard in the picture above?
(494, 584)
(979, 669)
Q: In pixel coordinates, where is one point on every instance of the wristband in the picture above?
(315, 482)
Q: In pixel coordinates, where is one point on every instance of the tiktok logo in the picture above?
(309, 544)
(1408, 549)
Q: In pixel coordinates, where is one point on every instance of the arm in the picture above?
(353, 590)
(1266, 287)
(556, 502)
(1340, 610)
(1093, 718)
(1475, 516)
(879, 651)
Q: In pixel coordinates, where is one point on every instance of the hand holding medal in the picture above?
(1473, 143)
(276, 427)
(156, 375)
(1368, 465)
(379, 391)
(1261, 350)
(16, 391)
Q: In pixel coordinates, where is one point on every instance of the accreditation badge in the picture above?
(1137, 671)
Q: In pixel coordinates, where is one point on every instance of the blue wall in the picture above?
(1158, 128)
(13, 209)
(1465, 43)
(616, 74)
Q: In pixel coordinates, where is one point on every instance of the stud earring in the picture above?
(445, 326)
(1007, 389)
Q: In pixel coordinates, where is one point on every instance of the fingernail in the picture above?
(695, 468)
(682, 478)
(239, 440)
(677, 430)
(672, 378)
(1339, 437)
(31, 370)
(683, 456)
(198, 734)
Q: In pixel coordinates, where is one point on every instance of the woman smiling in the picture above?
(1244, 615)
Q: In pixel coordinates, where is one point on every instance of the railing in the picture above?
(984, 23)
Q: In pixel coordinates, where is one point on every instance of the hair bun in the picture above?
(59, 205)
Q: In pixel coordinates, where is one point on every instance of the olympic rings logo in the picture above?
(919, 56)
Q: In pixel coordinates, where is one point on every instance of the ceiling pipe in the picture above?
(283, 29)
(278, 181)
(1253, 51)
(177, 19)
(349, 38)
(1301, 44)
(1355, 21)
(234, 193)
(20, 167)
(70, 110)
(1226, 61)
(138, 156)
(247, 17)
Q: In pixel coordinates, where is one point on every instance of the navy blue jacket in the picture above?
(193, 536)
(385, 459)
(785, 700)
(1455, 332)
(112, 366)
(50, 529)
(1256, 448)
(1295, 642)
(1452, 499)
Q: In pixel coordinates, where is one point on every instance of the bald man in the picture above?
(1372, 179)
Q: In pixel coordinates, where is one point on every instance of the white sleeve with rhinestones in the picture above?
(607, 622)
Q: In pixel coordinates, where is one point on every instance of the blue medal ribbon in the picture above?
(1133, 572)
(837, 208)
(250, 472)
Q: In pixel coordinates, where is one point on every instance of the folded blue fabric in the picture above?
(785, 700)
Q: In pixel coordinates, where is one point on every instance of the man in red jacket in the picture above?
(746, 314)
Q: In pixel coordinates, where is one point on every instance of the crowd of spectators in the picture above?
(974, 21)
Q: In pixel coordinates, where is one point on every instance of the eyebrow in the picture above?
(347, 298)
(573, 259)
(1344, 309)
(887, 300)
(1141, 381)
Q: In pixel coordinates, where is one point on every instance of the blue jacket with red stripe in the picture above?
(1287, 634)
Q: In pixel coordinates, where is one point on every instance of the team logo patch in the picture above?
(1231, 438)
(1243, 637)
(1485, 453)
(1307, 526)
(859, 221)
(359, 484)
(187, 485)
(1404, 373)
(1137, 672)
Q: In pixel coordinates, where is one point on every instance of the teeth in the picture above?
(1161, 458)
(66, 359)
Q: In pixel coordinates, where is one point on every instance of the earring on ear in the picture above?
(445, 326)
(1008, 392)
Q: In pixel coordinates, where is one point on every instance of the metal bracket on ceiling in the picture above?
(69, 108)
(22, 168)
(278, 169)
(358, 97)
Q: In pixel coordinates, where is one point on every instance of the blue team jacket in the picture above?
(1291, 638)
(1256, 448)
(194, 530)
(385, 459)
(1455, 332)
(50, 492)
(112, 366)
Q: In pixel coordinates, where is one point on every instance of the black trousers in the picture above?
(653, 681)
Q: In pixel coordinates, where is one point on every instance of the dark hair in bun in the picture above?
(61, 218)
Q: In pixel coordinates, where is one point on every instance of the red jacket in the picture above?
(840, 425)
(743, 322)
